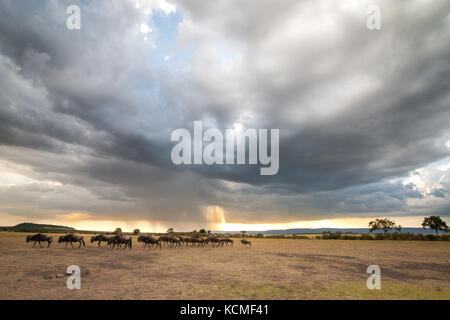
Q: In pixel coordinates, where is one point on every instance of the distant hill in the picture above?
(322, 230)
(35, 227)
(42, 226)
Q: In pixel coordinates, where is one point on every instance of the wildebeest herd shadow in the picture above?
(150, 242)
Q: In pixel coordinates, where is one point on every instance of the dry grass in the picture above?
(272, 269)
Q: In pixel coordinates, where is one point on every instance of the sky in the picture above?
(86, 115)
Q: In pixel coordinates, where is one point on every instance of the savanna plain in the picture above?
(270, 269)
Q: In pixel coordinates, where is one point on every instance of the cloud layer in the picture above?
(86, 115)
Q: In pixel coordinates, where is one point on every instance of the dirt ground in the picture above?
(271, 269)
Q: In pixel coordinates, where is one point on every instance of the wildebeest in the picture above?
(246, 243)
(149, 241)
(195, 241)
(215, 241)
(38, 238)
(229, 241)
(119, 240)
(174, 241)
(70, 238)
(220, 242)
(170, 241)
(164, 240)
(184, 240)
(101, 238)
(198, 241)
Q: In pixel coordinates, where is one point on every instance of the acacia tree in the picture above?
(136, 231)
(435, 223)
(170, 230)
(118, 231)
(384, 224)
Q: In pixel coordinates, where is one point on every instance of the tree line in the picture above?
(385, 224)
(432, 222)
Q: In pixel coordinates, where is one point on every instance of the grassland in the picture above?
(271, 269)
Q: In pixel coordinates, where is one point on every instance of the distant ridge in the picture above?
(322, 230)
(42, 226)
(35, 227)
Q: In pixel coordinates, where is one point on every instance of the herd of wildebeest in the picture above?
(121, 241)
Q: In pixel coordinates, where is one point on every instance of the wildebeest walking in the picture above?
(164, 240)
(170, 241)
(101, 238)
(149, 241)
(184, 241)
(38, 238)
(174, 241)
(215, 242)
(246, 243)
(70, 238)
(119, 240)
(220, 242)
(199, 242)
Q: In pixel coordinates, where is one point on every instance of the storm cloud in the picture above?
(86, 115)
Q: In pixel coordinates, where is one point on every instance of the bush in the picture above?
(300, 237)
(329, 235)
(430, 237)
(409, 236)
(365, 236)
(381, 236)
(445, 237)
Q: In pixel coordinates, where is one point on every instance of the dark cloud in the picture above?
(439, 193)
